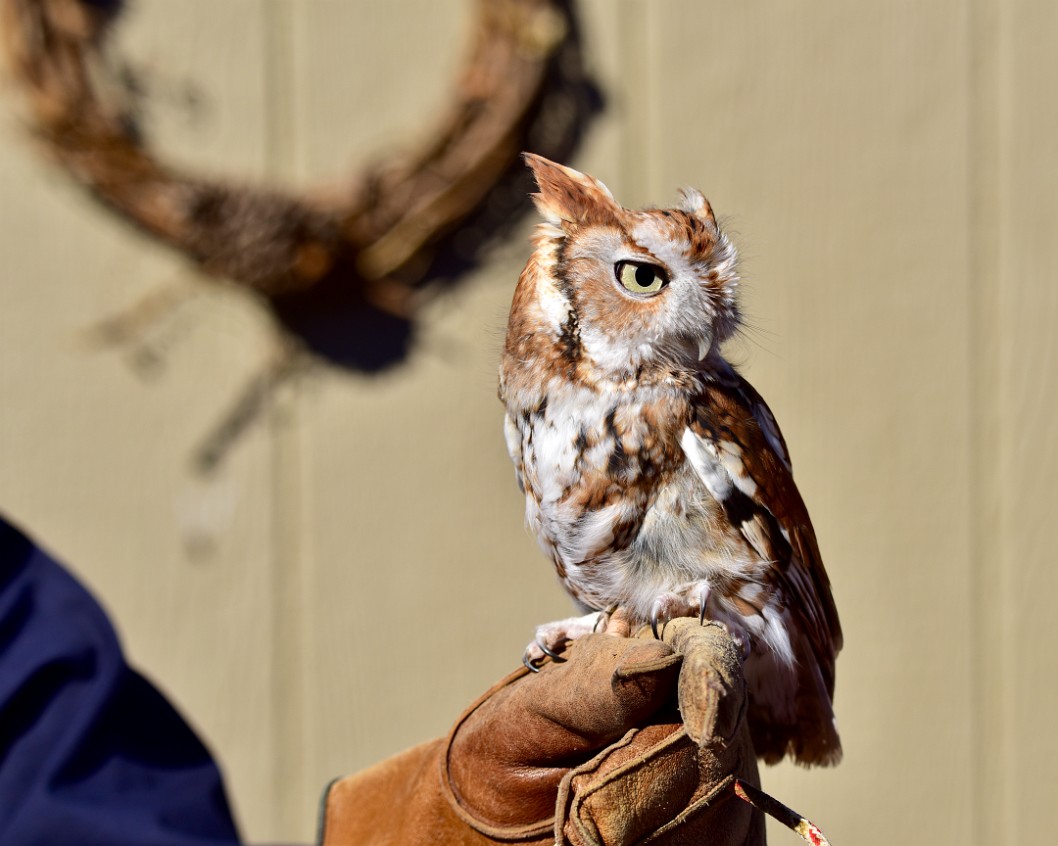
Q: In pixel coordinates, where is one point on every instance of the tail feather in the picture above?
(801, 726)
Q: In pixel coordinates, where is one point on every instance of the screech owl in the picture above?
(655, 476)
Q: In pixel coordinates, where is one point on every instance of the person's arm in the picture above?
(90, 751)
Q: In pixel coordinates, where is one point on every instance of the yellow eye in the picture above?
(640, 277)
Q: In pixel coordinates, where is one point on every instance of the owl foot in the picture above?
(689, 602)
(551, 636)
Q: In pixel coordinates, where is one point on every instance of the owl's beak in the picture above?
(703, 348)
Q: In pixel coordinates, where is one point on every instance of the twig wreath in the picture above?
(365, 246)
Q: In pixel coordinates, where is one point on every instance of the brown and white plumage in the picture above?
(656, 478)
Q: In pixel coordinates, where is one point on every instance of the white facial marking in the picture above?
(553, 304)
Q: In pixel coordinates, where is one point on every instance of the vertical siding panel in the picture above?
(292, 792)
(604, 27)
(832, 138)
(632, 98)
(1028, 403)
(991, 813)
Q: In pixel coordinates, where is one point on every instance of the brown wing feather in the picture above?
(730, 414)
(773, 519)
(802, 537)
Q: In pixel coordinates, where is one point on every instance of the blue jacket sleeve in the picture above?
(90, 751)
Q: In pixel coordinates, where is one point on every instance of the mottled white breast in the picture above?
(613, 500)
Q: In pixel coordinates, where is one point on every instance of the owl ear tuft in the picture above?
(693, 202)
(568, 196)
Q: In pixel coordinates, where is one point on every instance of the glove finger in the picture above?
(605, 686)
(712, 689)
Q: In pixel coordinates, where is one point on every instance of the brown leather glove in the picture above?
(591, 750)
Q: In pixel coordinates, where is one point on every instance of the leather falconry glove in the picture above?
(626, 740)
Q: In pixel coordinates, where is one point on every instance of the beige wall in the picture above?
(358, 570)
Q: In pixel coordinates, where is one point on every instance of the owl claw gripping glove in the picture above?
(591, 750)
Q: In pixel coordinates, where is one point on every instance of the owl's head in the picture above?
(638, 288)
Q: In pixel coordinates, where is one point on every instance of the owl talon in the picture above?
(528, 662)
(602, 619)
(654, 623)
(554, 656)
(551, 638)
